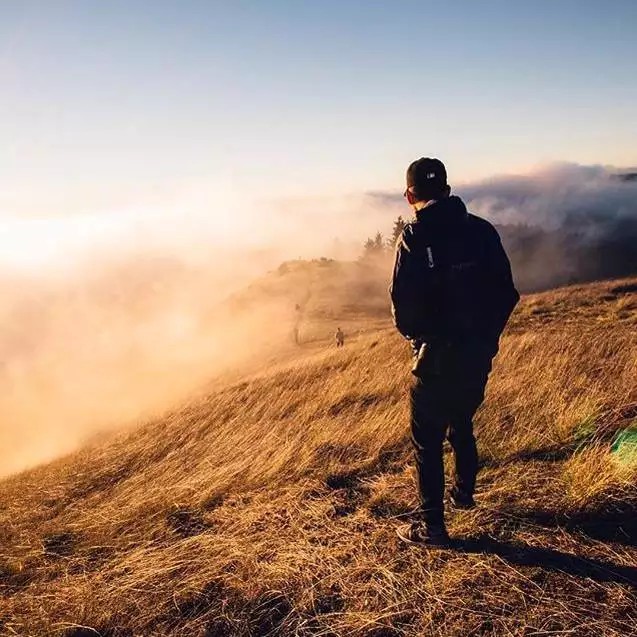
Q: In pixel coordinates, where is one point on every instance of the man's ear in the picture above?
(411, 198)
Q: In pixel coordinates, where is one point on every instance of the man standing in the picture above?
(452, 294)
(340, 337)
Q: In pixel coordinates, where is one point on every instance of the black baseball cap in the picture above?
(427, 178)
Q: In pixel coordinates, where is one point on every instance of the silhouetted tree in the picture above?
(369, 247)
(374, 247)
(399, 225)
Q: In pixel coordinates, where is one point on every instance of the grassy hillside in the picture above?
(268, 505)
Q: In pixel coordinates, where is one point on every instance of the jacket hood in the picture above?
(446, 212)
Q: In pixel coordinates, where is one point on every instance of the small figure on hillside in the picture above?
(452, 294)
(296, 332)
(340, 337)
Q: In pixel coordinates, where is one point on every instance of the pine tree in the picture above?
(374, 247)
(369, 247)
(399, 226)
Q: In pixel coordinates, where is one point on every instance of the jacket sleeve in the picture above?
(404, 289)
(504, 296)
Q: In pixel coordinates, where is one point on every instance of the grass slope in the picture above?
(268, 506)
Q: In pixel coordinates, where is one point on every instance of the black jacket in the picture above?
(452, 279)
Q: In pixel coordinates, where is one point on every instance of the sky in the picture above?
(141, 136)
(129, 105)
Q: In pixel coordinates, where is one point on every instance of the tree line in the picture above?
(380, 245)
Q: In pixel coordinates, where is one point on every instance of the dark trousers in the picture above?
(443, 404)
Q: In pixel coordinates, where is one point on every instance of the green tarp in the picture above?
(624, 447)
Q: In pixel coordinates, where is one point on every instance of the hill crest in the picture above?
(267, 505)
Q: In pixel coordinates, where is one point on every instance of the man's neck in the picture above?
(421, 205)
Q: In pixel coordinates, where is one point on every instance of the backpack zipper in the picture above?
(430, 257)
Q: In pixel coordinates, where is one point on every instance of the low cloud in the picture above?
(561, 223)
(110, 317)
(550, 197)
(589, 198)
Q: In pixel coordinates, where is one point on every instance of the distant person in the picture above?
(452, 294)
(296, 332)
(340, 337)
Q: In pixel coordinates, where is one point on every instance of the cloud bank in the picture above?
(550, 197)
(586, 197)
(112, 316)
(562, 223)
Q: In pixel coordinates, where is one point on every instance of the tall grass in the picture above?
(269, 505)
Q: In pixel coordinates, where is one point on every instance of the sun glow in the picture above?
(184, 225)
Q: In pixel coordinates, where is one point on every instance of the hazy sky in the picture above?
(117, 103)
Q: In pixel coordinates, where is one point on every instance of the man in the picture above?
(452, 294)
(340, 337)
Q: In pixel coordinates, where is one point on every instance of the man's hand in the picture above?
(420, 350)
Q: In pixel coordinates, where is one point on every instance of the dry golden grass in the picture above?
(269, 506)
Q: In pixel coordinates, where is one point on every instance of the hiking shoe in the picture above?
(423, 535)
(460, 500)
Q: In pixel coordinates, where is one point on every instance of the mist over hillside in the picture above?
(82, 354)
(144, 314)
(267, 505)
(562, 224)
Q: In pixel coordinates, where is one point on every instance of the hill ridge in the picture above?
(268, 505)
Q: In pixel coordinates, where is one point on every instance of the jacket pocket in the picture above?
(428, 361)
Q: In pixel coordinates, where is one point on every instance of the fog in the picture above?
(561, 223)
(111, 316)
(550, 197)
(588, 198)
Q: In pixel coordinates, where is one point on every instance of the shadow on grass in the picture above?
(556, 453)
(546, 454)
(616, 525)
(628, 288)
(550, 559)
